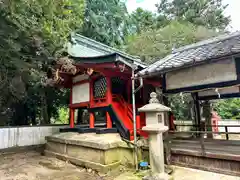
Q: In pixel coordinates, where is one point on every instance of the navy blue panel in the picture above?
(237, 64)
(164, 83)
(106, 130)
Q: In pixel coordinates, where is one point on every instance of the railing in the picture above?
(208, 132)
(206, 145)
(126, 107)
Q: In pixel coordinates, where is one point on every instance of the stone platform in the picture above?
(101, 152)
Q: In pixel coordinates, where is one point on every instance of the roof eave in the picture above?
(187, 65)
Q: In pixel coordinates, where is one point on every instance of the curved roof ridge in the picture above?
(105, 47)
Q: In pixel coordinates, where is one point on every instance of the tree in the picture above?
(182, 106)
(228, 108)
(154, 45)
(208, 13)
(143, 20)
(106, 21)
(188, 21)
(33, 34)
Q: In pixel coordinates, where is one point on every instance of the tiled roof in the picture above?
(216, 47)
(82, 46)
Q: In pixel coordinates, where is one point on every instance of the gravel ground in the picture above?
(32, 166)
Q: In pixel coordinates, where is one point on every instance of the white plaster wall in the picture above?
(80, 93)
(220, 71)
(80, 78)
(25, 136)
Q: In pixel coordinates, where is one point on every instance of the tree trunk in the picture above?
(208, 117)
(44, 111)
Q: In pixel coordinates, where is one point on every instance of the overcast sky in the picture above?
(232, 10)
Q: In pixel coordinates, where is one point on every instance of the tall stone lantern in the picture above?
(155, 114)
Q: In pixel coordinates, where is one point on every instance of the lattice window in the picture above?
(100, 88)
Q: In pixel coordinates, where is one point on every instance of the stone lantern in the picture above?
(155, 114)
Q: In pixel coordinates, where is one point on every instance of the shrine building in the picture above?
(100, 80)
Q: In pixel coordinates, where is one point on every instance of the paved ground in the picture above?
(193, 174)
(181, 173)
(32, 166)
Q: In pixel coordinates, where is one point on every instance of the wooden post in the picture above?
(91, 120)
(197, 112)
(109, 122)
(226, 130)
(202, 143)
(71, 110)
(109, 100)
(91, 84)
(208, 118)
(72, 117)
(91, 114)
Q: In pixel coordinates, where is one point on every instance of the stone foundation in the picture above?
(102, 152)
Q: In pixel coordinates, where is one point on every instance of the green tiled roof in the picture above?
(83, 47)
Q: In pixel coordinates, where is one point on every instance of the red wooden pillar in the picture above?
(72, 117)
(109, 121)
(91, 120)
(109, 100)
(91, 115)
(71, 111)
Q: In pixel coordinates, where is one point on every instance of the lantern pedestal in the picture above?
(155, 118)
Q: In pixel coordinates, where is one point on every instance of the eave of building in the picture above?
(195, 54)
(109, 58)
(82, 48)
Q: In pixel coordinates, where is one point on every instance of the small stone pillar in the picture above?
(155, 114)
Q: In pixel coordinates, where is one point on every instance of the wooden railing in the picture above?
(197, 138)
(127, 108)
(200, 131)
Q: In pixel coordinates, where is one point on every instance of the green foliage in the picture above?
(181, 106)
(63, 116)
(158, 43)
(106, 21)
(184, 22)
(208, 13)
(32, 34)
(142, 20)
(228, 108)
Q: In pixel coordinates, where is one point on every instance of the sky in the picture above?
(232, 10)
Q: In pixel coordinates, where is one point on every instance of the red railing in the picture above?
(125, 106)
(128, 114)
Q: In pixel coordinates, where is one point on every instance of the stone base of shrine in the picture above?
(100, 152)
